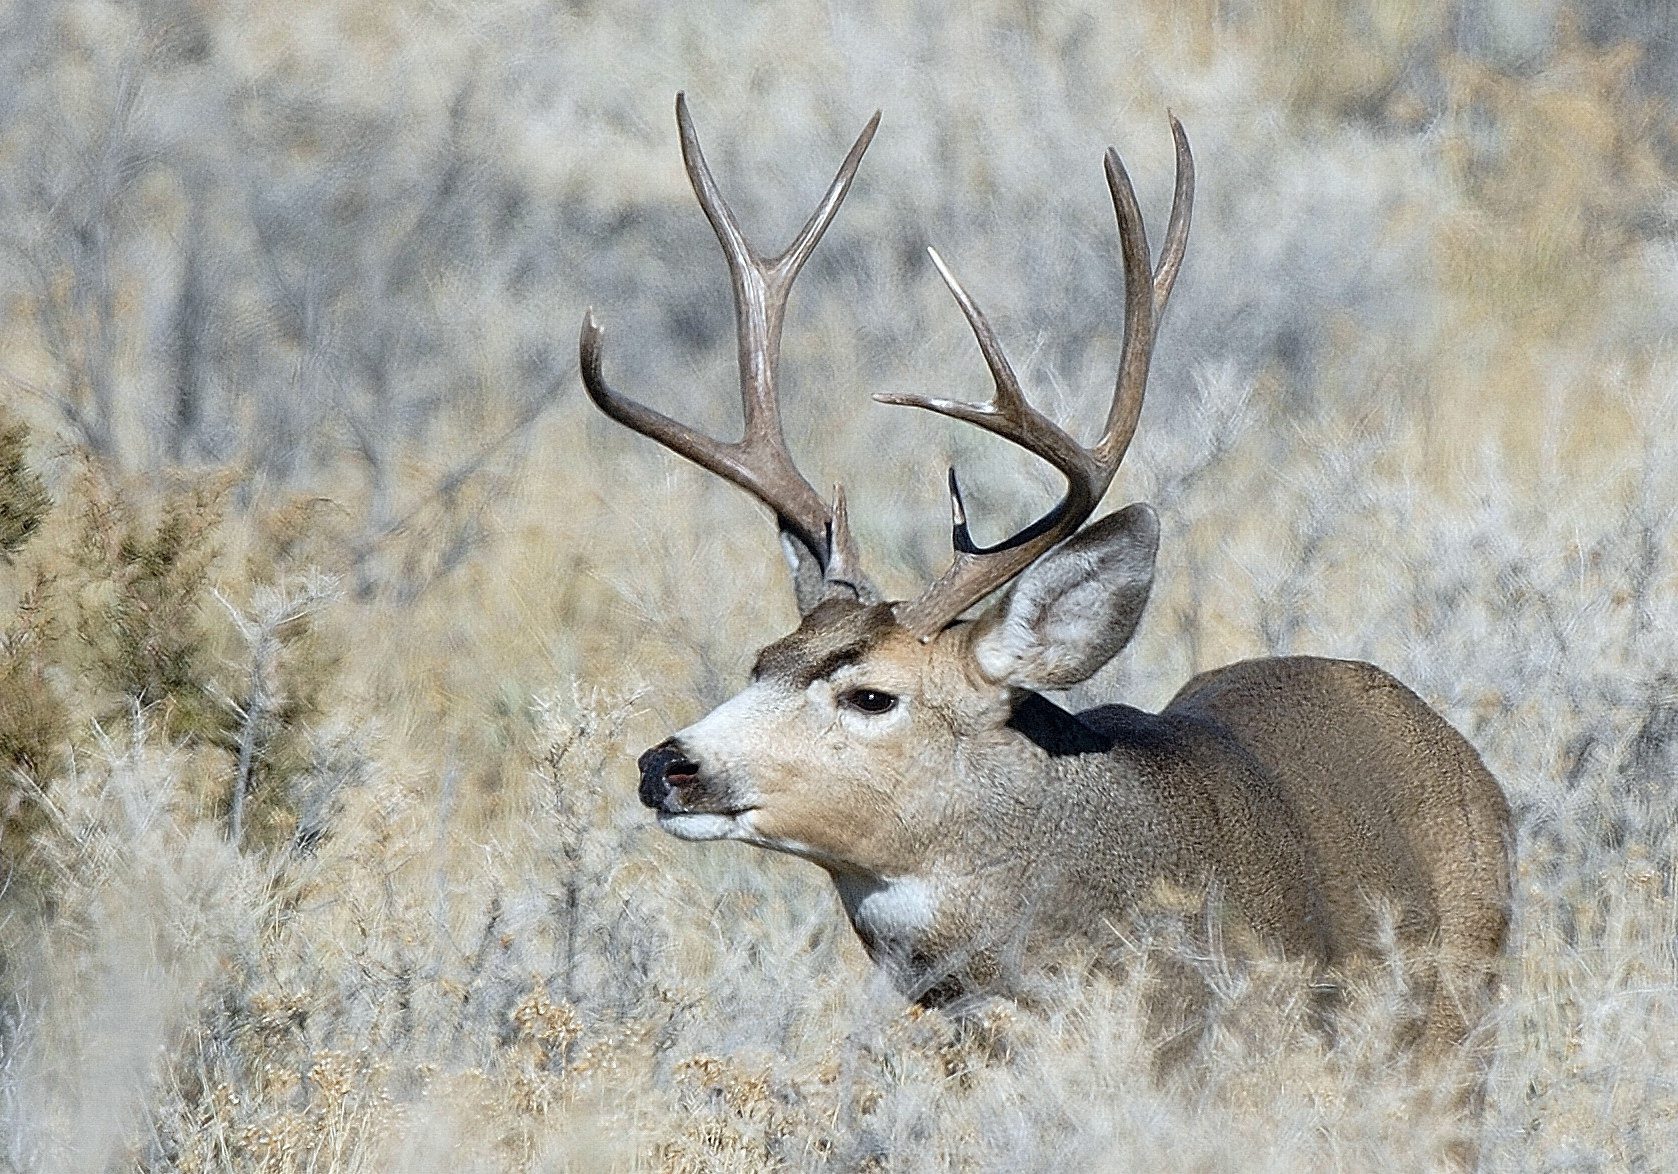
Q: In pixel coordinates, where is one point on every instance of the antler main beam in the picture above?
(759, 462)
(1089, 472)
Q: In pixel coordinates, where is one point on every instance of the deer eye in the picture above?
(868, 700)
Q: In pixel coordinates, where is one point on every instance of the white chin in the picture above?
(700, 825)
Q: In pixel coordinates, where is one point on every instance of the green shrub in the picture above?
(24, 500)
(139, 601)
(35, 723)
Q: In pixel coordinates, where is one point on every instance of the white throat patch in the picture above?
(890, 910)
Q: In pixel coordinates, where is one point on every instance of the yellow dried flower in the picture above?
(551, 1026)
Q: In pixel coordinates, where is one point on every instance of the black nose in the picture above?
(663, 767)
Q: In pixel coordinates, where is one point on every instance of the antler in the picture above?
(975, 571)
(759, 461)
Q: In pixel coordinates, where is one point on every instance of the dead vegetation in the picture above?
(301, 520)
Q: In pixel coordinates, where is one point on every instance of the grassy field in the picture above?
(331, 617)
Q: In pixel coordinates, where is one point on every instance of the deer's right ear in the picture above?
(1072, 610)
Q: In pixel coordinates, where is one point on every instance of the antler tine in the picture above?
(844, 563)
(1009, 414)
(805, 242)
(760, 461)
(1137, 348)
(975, 572)
(1177, 228)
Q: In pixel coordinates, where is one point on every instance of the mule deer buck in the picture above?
(971, 824)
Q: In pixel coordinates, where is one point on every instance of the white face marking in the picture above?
(717, 738)
(763, 748)
(696, 826)
(722, 740)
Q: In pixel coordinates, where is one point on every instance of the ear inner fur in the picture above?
(1075, 608)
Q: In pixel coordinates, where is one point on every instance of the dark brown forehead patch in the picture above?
(834, 634)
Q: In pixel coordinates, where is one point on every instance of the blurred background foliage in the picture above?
(326, 241)
(328, 607)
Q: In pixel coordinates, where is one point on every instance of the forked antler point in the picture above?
(1089, 472)
(760, 461)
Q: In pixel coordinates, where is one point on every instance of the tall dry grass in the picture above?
(333, 542)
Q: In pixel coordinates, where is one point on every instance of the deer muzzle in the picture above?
(664, 768)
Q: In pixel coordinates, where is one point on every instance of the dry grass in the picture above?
(292, 322)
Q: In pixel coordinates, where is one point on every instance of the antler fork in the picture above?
(759, 462)
(975, 572)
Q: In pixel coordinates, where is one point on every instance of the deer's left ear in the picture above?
(1072, 610)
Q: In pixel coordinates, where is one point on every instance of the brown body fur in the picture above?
(1322, 800)
(1321, 803)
